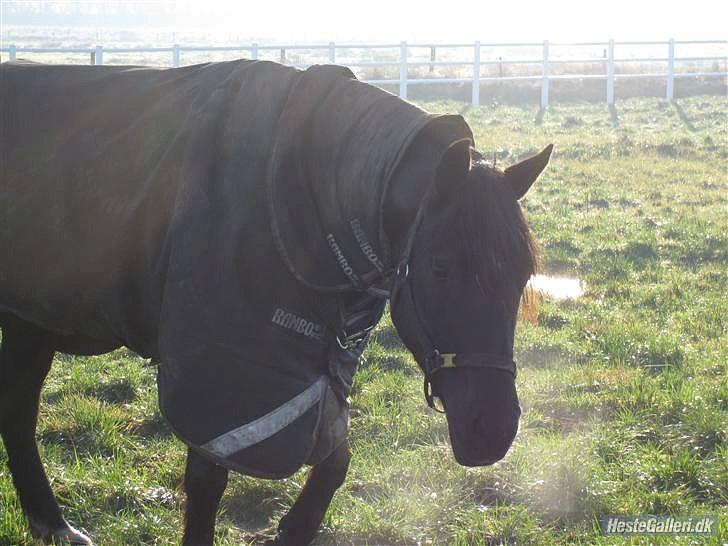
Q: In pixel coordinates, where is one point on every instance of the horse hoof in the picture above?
(71, 537)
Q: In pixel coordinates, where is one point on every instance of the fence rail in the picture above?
(404, 62)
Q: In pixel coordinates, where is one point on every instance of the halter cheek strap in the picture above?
(433, 360)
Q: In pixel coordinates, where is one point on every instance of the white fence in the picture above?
(405, 61)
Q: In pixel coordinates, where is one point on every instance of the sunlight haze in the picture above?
(385, 20)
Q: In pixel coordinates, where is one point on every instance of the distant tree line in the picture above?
(103, 13)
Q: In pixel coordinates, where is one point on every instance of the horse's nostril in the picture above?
(492, 437)
(494, 429)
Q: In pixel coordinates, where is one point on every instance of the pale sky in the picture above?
(503, 20)
(468, 20)
(443, 20)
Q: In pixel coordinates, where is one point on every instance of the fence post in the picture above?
(332, 52)
(671, 69)
(433, 57)
(403, 70)
(13, 53)
(610, 73)
(254, 51)
(476, 73)
(545, 76)
(175, 55)
(99, 55)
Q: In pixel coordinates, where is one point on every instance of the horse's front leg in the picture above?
(204, 485)
(301, 523)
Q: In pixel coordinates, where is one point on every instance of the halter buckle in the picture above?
(437, 361)
(448, 360)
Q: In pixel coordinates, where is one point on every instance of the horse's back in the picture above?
(98, 162)
(90, 159)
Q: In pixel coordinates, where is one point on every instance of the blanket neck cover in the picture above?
(223, 219)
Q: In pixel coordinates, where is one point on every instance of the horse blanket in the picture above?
(224, 220)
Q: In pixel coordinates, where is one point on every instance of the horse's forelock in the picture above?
(498, 240)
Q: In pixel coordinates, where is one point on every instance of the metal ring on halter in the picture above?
(431, 397)
(351, 341)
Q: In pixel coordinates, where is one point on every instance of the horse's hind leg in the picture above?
(25, 359)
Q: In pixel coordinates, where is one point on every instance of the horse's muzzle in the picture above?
(481, 441)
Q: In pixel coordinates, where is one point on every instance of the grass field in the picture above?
(624, 391)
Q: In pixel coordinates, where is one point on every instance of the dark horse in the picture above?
(242, 224)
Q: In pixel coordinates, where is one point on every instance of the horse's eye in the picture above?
(440, 267)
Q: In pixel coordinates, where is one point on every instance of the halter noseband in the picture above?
(434, 360)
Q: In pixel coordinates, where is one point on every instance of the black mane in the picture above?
(498, 240)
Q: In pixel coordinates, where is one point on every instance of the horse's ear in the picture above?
(522, 175)
(453, 168)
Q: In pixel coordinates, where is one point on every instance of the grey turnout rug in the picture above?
(224, 219)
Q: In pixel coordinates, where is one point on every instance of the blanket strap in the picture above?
(266, 426)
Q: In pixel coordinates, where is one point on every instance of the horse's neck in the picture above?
(408, 187)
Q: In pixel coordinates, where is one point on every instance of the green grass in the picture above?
(624, 391)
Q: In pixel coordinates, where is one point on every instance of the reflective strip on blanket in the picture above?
(266, 426)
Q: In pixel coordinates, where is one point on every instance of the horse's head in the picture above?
(457, 292)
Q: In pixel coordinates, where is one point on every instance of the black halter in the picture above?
(432, 360)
